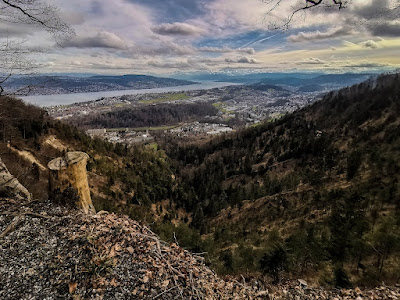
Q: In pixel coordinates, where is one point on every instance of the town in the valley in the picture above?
(246, 105)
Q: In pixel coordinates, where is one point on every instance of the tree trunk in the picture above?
(70, 172)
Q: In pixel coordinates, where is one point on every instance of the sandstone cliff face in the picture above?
(10, 186)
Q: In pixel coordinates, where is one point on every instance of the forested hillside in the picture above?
(153, 115)
(119, 176)
(312, 194)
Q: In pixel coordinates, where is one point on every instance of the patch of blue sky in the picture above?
(174, 10)
(259, 40)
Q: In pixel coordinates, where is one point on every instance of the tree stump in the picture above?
(70, 172)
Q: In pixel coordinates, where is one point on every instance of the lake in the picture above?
(64, 99)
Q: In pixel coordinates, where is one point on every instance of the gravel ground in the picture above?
(53, 252)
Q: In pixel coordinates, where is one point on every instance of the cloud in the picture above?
(177, 28)
(102, 39)
(372, 10)
(167, 47)
(234, 16)
(182, 65)
(156, 47)
(241, 60)
(226, 50)
(198, 34)
(18, 30)
(312, 61)
(318, 35)
(378, 17)
(367, 65)
(73, 17)
(389, 29)
(13, 31)
(370, 44)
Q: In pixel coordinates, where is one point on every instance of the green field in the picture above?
(220, 106)
(153, 146)
(167, 98)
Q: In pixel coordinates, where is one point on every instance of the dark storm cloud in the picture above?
(382, 9)
(380, 17)
(389, 29)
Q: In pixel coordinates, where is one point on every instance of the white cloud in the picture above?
(312, 61)
(226, 50)
(318, 35)
(370, 44)
(164, 47)
(121, 34)
(102, 39)
(242, 60)
(177, 28)
(234, 16)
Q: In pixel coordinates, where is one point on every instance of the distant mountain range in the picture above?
(75, 83)
(65, 84)
(303, 82)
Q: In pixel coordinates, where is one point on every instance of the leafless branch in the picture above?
(308, 4)
(16, 57)
(35, 12)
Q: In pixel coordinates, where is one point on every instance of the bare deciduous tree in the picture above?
(374, 12)
(15, 57)
(37, 13)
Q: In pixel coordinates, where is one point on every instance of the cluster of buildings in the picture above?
(253, 106)
(123, 136)
(197, 128)
(60, 112)
(245, 103)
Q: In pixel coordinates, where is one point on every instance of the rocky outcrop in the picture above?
(10, 186)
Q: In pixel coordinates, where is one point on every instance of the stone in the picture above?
(10, 186)
(302, 283)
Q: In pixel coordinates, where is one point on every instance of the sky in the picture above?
(234, 36)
